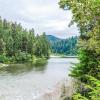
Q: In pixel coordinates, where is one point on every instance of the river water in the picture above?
(28, 82)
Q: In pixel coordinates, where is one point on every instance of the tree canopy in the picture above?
(86, 13)
(19, 44)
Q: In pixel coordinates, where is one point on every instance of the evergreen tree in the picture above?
(42, 46)
(2, 46)
(19, 44)
(86, 13)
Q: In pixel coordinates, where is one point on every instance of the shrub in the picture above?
(3, 59)
(22, 56)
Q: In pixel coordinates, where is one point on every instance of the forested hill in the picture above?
(52, 38)
(63, 46)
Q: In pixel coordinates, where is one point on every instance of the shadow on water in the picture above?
(16, 69)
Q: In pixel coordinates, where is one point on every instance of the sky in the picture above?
(42, 15)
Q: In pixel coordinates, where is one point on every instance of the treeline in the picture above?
(18, 44)
(86, 13)
(66, 47)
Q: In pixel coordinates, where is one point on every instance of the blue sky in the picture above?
(42, 15)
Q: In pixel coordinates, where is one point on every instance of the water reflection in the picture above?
(16, 69)
(27, 81)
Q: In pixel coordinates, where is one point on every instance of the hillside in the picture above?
(63, 46)
(52, 38)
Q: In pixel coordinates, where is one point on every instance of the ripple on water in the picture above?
(28, 82)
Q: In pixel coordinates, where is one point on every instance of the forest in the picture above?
(86, 13)
(63, 46)
(19, 45)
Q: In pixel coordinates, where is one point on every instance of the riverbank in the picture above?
(3, 65)
(39, 61)
(34, 60)
(59, 92)
(63, 56)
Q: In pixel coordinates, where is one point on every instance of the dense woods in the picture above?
(63, 46)
(18, 44)
(86, 13)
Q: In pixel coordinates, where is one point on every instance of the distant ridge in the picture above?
(63, 46)
(52, 38)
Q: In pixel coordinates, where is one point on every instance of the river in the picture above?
(28, 82)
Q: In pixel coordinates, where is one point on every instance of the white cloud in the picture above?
(43, 15)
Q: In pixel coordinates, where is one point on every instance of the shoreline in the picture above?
(57, 92)
(3, 65)
(53, 56)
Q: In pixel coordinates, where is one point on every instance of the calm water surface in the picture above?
(25, 81)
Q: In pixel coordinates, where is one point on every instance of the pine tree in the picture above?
(2, 46)
(19, 44)
(86, 14)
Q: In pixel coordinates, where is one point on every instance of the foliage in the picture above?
(17, 44)
(2, 46)
(90, 88)
(86, 13)
(41, 47)
(86, 66)
(40, 61)
(3, 58)
(22, 56)
(78, 97)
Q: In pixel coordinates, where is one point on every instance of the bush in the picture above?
(4, 59)
(22, 56)
(39, 61)
(78, 97)
(89, 89)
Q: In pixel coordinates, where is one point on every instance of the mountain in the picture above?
(52, 38)
(63, 46)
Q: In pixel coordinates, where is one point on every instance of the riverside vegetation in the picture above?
(19, 45)
(86, 13)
